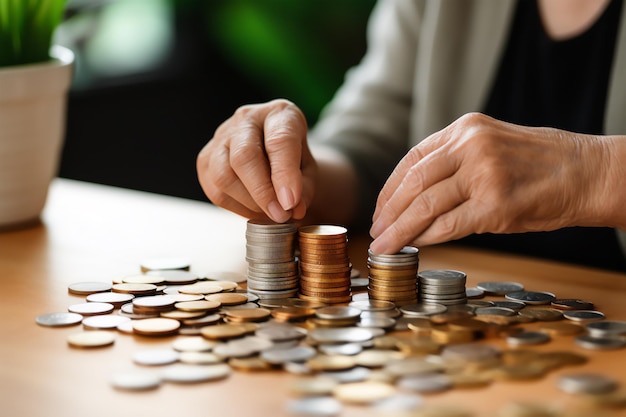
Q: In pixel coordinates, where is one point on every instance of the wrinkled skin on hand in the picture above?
(258, 163)
(482, 175)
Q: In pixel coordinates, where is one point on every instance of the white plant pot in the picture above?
(33, 101)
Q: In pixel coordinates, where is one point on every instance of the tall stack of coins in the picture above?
(324, 264)
(442, 286)
(394, 277)
(272, 267)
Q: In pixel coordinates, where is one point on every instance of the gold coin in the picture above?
(222, 332)
(156, 327)
(420, 345)
(542, 314)
(292, 313)
(330, 363)
(561, 328)
(204, 305)
(201, 288)
(470, 380)
(181, 315)
(224, 285)
(419, 325)
(326, 300)
(91, 339)
(445, 336)
(253, 364)
(253, 314)
(228, 299)
(363, 392)
(377, 358)
(526, 371)
(135, 289)
(313, 386)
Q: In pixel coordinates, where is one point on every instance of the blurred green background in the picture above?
(154, 78)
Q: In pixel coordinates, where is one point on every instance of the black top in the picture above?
(561, 84)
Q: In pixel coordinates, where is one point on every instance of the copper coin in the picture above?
(156, 327)
(202, 305)
(136, 289)
(228, 299)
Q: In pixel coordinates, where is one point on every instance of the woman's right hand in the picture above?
(258, 163)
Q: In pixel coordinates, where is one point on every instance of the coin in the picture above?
(227, 331)
(500, 288)
(90, 309)
(143, 279)
(294, 354)
(425, 383)
(240, 315)
(280, 333)
(115, 299)
(495, 311)
(135, 289)
(583, 316)
(330, 363)
(185, 373)
(422, 310)
(154, 357)
(599, 343)
(572, 304)
(86, 288)
(365, 392)
(204, 287)
(203, 305)
(108, 321)
(156, 327)
(561, 328)
(474, 292)
(531, 297)
(314, 406)
(606, 328)
(58, 319)
(135, 380)
(175, 276)
(341, 335)
(586, 383)
(470, 352)
(542, 314)
(527, 338)
(91, 339)
(338, 312)
(199, 358)
(348, 349)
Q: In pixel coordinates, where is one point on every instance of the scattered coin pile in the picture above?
(272, 267)
(370, 352)
(442, 286)
(324, 264)
(394, 277)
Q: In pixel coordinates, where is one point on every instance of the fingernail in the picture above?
(277, 213)
(375, 246)
(376, 229)
(286, 199)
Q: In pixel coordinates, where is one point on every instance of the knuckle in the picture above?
(424, 205)
(401, 232)
(241, 156)
(447, 226)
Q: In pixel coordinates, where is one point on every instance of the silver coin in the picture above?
(58, 319)
(513, 305)
(200, 358)
(395, 313)
(480, 303)
(135, 380)
(281, 333)
(338, 313)
(315, 406)
(281, 356)
(434, 382)
(85, 288)
(584, 316)
(585, 383)
(500, 288)
(193, 344)
(599, 343)
(606, 328)
(362, 296)
(572, 304)
(341, 335)
(495, 311)
(531, 297)
(474, 292)
(356, 374)
(108, 321)
(359, 283)
(155, 357)
(527, 338)
(442, 276)
(377, 322)
(422, 310)
(184, 373)
(399, 403)
(470, 352)
(348, 349)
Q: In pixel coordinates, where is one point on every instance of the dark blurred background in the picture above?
(154, 78)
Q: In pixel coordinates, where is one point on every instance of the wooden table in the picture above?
(97, 233)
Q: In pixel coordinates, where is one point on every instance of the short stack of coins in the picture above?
(324, 264)
(442, 286)
(272, 266)
(394, 277)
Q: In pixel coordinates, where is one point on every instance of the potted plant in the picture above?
(34, 81)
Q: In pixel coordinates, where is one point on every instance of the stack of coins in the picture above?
(394, 277)
(442, 286)
(324, 264)
(272, 267)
